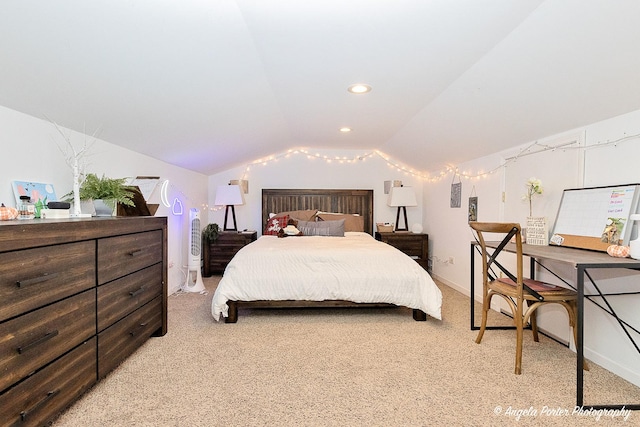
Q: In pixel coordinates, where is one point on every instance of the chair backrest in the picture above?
(503, 232)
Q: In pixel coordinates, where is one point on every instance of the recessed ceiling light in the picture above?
(345, 129)
(359, 88)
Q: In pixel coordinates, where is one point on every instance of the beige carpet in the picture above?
(337, 367)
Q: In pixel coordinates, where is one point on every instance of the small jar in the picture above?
(26, 209)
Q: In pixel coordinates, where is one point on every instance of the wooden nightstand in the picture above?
(216, 255)
(416, 245)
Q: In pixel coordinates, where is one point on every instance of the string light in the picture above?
(533, 148)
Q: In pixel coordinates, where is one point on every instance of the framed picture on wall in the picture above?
(456, 194)
(473, 208)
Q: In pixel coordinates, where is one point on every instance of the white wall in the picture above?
(300, 171)
(599, 162)
(30, 152)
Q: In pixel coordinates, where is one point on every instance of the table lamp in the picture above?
(229, 196)
(401, 197)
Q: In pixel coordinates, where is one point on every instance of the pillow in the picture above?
(302, 215)
(274, 225)
(352, 222)
(322, 228)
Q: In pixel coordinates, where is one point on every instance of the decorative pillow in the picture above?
(274, 225)
(352, 222)
(302, 215)
(322, 228)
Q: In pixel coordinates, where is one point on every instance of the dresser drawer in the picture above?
(32, 278)
(121, 255)
(120, 340)
(42, 396)
(30, 341)
(120, 297)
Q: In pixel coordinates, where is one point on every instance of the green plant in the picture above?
(108, 189)
(211, 232)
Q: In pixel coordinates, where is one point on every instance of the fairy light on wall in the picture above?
(533, 148)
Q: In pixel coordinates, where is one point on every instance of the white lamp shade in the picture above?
(402, 196)
(229, 195)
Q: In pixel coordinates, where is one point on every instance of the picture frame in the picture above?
(37, 191)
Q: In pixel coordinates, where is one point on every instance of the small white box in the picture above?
(54, 213)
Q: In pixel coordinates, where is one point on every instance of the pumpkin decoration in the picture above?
(618, 251)
(7, 213)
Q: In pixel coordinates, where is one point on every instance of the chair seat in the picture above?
(547, 290)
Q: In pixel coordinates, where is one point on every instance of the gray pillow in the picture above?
(322, 228)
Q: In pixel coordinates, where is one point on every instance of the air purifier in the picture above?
(193, 282)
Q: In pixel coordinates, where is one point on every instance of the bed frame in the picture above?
(328, 200)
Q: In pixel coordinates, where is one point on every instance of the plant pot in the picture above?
(104, 207)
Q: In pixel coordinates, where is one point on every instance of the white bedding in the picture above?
(354, 268)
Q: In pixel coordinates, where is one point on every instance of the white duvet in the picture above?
(354, 268)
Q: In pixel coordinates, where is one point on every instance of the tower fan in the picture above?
(194, 277)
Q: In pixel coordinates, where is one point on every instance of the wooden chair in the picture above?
(515, 289)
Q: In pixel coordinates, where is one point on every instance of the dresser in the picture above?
(77, 297)
(416, 245)
(216, 255)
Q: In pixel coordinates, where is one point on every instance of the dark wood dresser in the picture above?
(216, 255)
(77, 297)
(416, 245)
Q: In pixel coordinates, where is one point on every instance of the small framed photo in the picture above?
(473, 208)
(37, 191)
(456, 194)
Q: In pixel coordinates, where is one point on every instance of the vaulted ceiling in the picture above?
(212, 84)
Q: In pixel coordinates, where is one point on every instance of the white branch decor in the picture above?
(74, 157)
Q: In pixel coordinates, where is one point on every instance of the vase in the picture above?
(104, 207)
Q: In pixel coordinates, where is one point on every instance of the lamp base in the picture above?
(404, 211)
(226, 216)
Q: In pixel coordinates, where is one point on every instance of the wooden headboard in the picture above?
(329, 200)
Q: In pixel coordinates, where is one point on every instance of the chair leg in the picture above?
(486, 303)
(533, 319)
(519, 332)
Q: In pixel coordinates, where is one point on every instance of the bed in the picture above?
(348, 269)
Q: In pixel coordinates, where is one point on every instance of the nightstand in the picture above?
(216, 255)
(416, 245)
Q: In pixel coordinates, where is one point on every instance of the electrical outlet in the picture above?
(451, 260)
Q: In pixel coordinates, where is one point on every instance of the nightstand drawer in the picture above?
(216, 255)
(415, 245)
(411, 247)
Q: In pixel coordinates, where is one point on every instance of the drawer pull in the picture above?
(42, 339)
(138, 292)
(34, 280)
(140, 326)
(136, 252)
(25, 414)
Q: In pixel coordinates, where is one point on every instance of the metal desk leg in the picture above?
(580, 340)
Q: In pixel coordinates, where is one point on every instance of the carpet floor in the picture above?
(344, 367)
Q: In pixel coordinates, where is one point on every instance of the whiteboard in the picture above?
(594, 218)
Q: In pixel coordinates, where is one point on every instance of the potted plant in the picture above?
(105, 193)
(211, 232)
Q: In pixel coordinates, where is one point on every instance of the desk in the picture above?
(582, 261)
